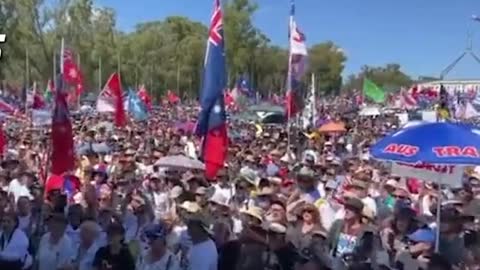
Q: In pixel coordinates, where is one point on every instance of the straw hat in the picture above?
(354, 204)
(190, 207)
(359, 184)
(266, 191)
(219, 199)
(253, 211)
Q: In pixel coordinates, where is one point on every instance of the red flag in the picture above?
(113, 88)
(212, 124)
(62, 137)
(172, 97)
(144, 97)
(71, 71)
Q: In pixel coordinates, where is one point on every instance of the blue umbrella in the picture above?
(434, 143)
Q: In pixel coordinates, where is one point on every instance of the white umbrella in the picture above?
(180, 162)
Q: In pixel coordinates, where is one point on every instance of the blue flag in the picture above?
(212, 119)
(136, 107)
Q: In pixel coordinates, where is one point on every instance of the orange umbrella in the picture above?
(332, 127)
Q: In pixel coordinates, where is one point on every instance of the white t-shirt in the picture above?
(227, 192)
(73, 234)
(18, 190)
(371, 204)
(202, 256)
(85, 262)
(55, 256)
(24, 222)
(168, 261)
(15, 248)
(161, 203)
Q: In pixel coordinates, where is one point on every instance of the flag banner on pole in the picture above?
(296, 67)
(212, 119)
(373, 92)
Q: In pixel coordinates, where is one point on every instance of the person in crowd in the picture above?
(155, 190)
(203, 254)
(88, 245)
(19, 187)
(309, 221)
(24, 213)
(74, 218)
(345, 235)
(277, 241)
(14, 244)
(452, 244)
(157, 256)
(144, 217)
(116, 254)
(56, 250)
(395, 235)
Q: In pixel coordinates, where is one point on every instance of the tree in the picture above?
(390, 77)
(241, 38)
(167, 54)
(327, 61)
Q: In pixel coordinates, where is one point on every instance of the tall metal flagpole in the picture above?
(313, 101)
(99, 74)
(118, 62)
(78, 64)
(27, 78)
(289, 77)
(54, 74)
(62, 50)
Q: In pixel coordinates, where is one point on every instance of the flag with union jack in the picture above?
(296, 67)
(211, 124)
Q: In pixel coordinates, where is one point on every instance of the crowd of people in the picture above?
(303, 201)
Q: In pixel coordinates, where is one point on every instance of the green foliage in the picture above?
(389, 77)
(162, 55)
(327, 60)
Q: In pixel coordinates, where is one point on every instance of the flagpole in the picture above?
(314, 105)
(27, 78)
(62, 49)
(289, 79)
(136, 76)
(99, 74)
(178, 78)
(54, 77)
(118, 62)
(78, 64)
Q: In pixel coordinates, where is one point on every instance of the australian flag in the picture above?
(212, 119)
(296, 67)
